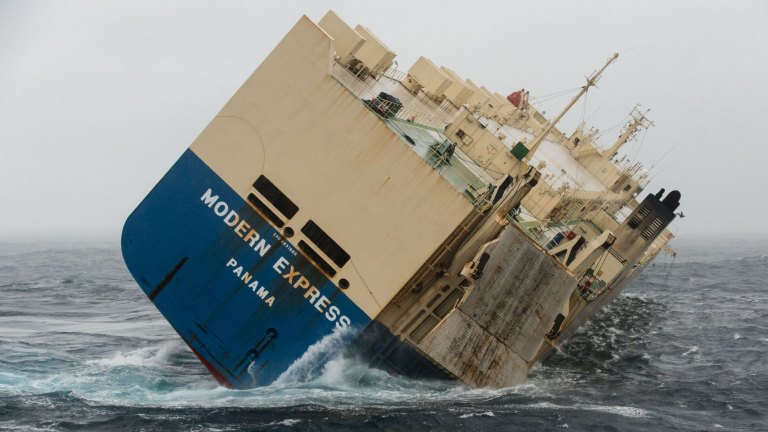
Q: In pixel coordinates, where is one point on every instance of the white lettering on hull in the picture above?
(293, 277)
(321, 303)
(232, 219)
(247, 280)
(313, 295)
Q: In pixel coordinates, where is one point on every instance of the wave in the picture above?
(480, 414)
(624, 411)
(317, 356)
(64, 351)
(158, 376)
(693, 350)
(144, 357)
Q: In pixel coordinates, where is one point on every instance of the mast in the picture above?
(591, 81)
(638, 120)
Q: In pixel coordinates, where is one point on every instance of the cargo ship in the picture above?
(337, 205)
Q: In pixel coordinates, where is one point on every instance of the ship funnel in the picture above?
(672, 201)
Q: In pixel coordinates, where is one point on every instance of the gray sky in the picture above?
(98, 99)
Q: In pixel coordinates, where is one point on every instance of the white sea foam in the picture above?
(480, 414)
(14, 425)
(146, 356)
(286, 422)
(624, 411)
(691, 351)
(124, 379)
(309, 365)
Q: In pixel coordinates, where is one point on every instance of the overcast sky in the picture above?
(98, 99)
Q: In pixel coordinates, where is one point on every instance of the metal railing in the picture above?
(394, 74)
(385, 108)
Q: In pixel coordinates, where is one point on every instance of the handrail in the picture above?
(361, 90)
(395, 74)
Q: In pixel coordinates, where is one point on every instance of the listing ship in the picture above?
(416, 219)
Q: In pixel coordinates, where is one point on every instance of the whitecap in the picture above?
(145, 356)
(481, 414)
(692, 350)
(286, 422)
(624, 411)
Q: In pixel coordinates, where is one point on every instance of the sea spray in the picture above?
(145, 356)
(310, 365)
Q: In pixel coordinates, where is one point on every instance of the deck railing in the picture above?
(400, 113)
(394, 74)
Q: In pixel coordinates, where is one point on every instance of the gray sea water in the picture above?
(685, 348)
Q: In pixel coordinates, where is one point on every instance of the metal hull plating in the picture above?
(209, 281)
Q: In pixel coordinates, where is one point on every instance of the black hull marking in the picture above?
(156, 291)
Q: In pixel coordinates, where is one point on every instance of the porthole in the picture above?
(343, 283)
(288, 232)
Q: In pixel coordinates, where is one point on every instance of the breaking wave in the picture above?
(314, 362)
(142, 357)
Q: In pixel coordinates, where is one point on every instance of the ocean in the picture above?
(684, 348)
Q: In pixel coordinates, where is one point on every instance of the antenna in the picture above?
(639, 120)
(591, 81)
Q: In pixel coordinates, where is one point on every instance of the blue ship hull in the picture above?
(245, 300)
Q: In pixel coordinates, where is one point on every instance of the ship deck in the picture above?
(457, 170)
(419, 124)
